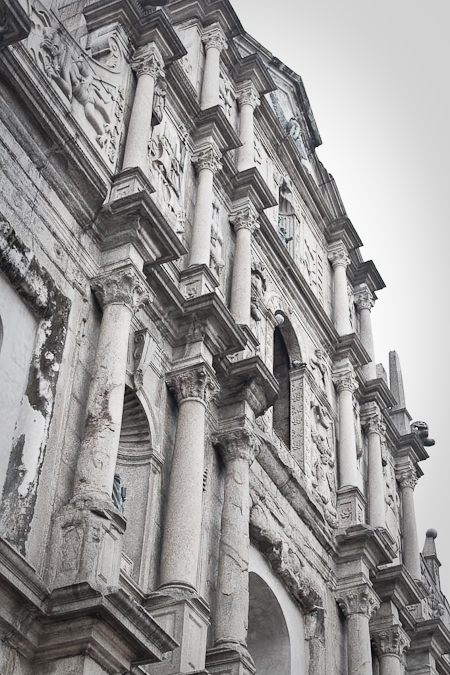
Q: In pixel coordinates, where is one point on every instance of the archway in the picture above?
(268, 636)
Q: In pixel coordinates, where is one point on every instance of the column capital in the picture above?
(122, 287)
(391, 640)
(244, 219)
(407, 477)
(358, 600)
(346, 382)
(208, 157)
(248, 95)
(363, 298)
(374, 425)
(196, 382)
(239, 443)
(214, 38)
(339, 257)
(148, 60)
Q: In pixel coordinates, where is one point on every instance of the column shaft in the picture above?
(390, 664)
(347, 440)
(411, 553)
(201, 231)
(341, 307)
(359, 651)
(182, 530)
(370, 369)
(244, 223)
(214, 41)
(246, 156)
(377, 508)
(136, 147)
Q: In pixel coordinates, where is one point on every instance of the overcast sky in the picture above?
(377, 76)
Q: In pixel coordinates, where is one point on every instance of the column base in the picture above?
(185, 616)
(197, 280)
(351, 507)
(230, 659)
(88, 543)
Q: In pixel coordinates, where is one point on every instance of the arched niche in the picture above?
(139, 469)
(276, 633)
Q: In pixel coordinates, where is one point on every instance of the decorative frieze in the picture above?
(196, 382)
(358, 600)
(124, 286)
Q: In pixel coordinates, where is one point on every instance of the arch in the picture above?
(135, 430)
(268, 635)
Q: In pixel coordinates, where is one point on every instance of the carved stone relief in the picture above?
(226, 97)
(217, 262)
(167, 155)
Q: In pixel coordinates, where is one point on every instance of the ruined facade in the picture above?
(202, 468)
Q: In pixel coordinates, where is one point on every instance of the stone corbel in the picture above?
(144, 347)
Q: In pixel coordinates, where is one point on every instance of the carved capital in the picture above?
(123, 286)
(358, 600)
(375, 425)
(249, 96)
(339, 257)
(390, 640)
(363, 298)
(238, 443)
(208, 158)
(407, 478)
(148, 60)
(346, 382)
(214, 38)
(196, 382)
(245, 219)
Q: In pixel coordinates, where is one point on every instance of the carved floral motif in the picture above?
(346, 382)
(358, 600)
(375, 425)
(407, 478)
(249, 96)
(245, 219)
(121, 287)
(147, 60)
(196, 382)
(390, 640)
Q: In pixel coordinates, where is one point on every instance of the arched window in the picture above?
(268, 636)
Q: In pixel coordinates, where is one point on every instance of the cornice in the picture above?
(350, 347)
(252, 69)
(362, 542)
(394, 583)
(409, 447)
(213, 125)
(342, 230)
(365, 272)
(247, 380)
(185, 95)
(212, 11)
(250, 184)
(376, 391)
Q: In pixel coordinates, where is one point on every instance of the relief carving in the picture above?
(258, 289)
(390, 640)
(217, 261)
(167, 157)
(323, 460)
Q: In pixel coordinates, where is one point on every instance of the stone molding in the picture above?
(193, 383)
(358, 600)
(375, 425)
(391, 640)
(407, 477)
(121, 287)
(208, 158)
(147, 60)
(214, 38)
(339, 257)
(248, 95)
(245, 219)
(363, 298)
(236, 444)
(346, 382)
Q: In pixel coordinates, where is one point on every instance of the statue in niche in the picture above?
(323, 463)
(294, 129)
(286, 211)
(259, 286)
(216, 256)
(159, 100)
(318, 365)
(225, 94)
(119, 493)
(167, 154)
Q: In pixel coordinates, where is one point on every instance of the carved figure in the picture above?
(258, 289)
(294, 129)
(421, 429)
(167, 154)
(323, 464)
(159, 98)
(119, 493)
(225, 94)
(216, 261)
(318, 364)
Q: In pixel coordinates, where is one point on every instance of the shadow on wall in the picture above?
(268, 637)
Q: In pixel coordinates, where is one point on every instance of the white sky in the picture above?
(377, 76)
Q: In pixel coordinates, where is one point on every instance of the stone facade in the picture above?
(202, 468)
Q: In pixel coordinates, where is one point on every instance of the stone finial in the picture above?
(244, 219)
(208, 158)
(363, 298)
(339, 257)
(375, 425)
(196, 382)
(346, 382)
(407, 478)
(358, 600)
(214, 38)
(390, 640)
(124, 286)
(248, 95)
(147, 60)
(396, 379)
(239, 443)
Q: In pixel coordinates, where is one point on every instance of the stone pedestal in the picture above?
(194, 387)
(244, 223)
(358, 603)
(147, 64)
(248, 99)
(407, 479)
(214, 42)
(364, 302)
(229, 660)
(351, 507)
(238, 448)
(207, 163)
(375, 428)
(346, 385)
(340, 261)
(390, 643)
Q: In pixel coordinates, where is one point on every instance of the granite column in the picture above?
(340, 261)
(346, 385)
(207, 162)
(248, 99)
(364, 302)
(375, 428)
(358, 605)
(214, 41)
(244, 223)
(407, 479)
